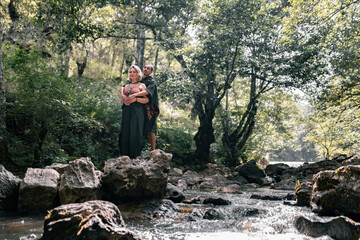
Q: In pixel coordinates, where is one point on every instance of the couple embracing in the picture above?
(140, 109)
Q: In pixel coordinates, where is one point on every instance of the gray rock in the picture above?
(303, 194)
(149, 209)
(216, 201)
(192, 179)
(213, 214)
(59, 167)
(79, 183)
(126, 180)
(337, 192)
(251, 172)
(174, 193)
(90, 220)
(9, 189)
(341, 228)
(276, 169)
(38, 190)
(181, 183)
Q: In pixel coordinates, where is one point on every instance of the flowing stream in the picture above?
(245, 218)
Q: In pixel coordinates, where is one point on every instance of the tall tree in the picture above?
(2, 89)
(3, 143)
(240, 39)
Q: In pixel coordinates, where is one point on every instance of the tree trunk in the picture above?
(234, 143)
(156, 56)
(3, 140)
(122, 66)
(203, 139)
(205, 107)
(140, 47)
(156, 62)
(67, 63)
(82, 65)
(40, 143)
(2, 91)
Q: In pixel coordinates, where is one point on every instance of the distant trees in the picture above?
(334, 121)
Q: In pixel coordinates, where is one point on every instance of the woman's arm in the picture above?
(142, 93)
(142, 100)
(123, 96)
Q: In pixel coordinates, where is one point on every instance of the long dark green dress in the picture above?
(132, 126)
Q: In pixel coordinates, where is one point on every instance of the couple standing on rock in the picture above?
(139, 111)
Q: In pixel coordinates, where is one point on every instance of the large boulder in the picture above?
(287, 177)
(125, 180)
(90, 220)
(303, 193)
(276, 169)
(38, 190)
(340, 228)
(337, 192)
(79, 182)
(9, 189)
(251, 172)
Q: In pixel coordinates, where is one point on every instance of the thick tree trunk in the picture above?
(82, 65)
(204, 138)
(205, 106)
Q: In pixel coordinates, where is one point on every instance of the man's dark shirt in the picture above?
(151, 87)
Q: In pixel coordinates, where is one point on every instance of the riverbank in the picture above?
(247, 201)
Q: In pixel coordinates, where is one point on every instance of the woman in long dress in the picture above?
(132, 121)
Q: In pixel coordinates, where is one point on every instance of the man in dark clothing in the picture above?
(152, 108)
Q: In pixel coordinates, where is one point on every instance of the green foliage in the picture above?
(335, 129)
(51, 118)
(175, 88)
(333, 125)
(175, 131)
(70, 21)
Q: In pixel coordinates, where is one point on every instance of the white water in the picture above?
(274, 220)
(245, 218)
(290, 164)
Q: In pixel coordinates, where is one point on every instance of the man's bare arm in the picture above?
(138, 94)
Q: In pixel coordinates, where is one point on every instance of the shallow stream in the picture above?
(245, 218)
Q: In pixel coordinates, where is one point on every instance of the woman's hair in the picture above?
(138, 71)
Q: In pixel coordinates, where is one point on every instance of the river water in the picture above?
(245, 218)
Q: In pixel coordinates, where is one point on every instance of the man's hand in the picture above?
(131, 97)
(129, 100)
